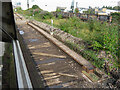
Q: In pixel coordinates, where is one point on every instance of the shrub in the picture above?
(44, 15)
(115, 17)
(19, 8)
(36, 11)
(76, 10)
(59, 16)
(35, 7)
(91, 25)
(58, 10)
(111, 39)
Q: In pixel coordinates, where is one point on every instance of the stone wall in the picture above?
(61, 35)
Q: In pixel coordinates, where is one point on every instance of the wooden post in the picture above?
(52, 27)
(110, 19)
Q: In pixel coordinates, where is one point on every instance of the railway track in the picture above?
(56, 68)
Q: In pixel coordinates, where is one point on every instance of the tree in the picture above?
(58, 10)
(35, 7)
(116, 8)
(76, 10)
(112, 8)
(115, 17)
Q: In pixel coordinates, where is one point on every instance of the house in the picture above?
(17, 4)
(104, 11)
(81, 10)
(108, 11)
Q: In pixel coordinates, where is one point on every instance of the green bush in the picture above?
(58, 10)
(59, 16)
(107, 38)
(19, 8)
(47, 15)
(43, 15)
(36, 11)
(115, 17)
(91, 25)
(35, 7)
(73, 26)
(101, 36)
(111, 38)
(76, 10)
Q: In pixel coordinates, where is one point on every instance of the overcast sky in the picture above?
(50, 5)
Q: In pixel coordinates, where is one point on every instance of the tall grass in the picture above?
(99, 36)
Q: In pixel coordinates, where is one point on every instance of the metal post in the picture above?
(28, 4)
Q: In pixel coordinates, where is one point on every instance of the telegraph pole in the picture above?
(28, 4)
(72, 5)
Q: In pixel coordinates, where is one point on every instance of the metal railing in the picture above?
(21, 69)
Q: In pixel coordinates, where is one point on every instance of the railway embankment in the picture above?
(79, 46)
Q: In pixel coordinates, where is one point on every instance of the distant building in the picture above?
(104, 11)
(81, 10)
(61, 8)
(108, 11)
(96, 10)
(101, 13)
(17, 4)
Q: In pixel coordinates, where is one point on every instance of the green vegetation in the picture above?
(58, 10)
(56, 21)
(35, 12)
(87, 54)
(35, 7)
(115, 17)
(112, 8)
(99, 36)
(59, 16)
(76, 10)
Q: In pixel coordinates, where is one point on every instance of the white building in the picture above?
(81, 10)
(108, 11)
(104, 11)
(17, 4)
